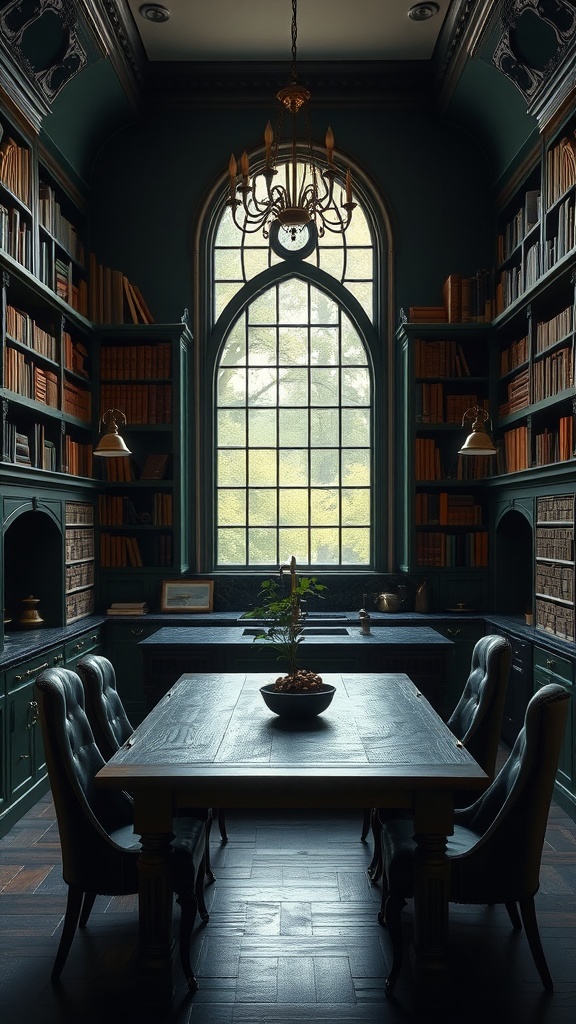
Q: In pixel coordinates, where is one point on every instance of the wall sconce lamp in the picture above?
(478, 441)
(111, 445)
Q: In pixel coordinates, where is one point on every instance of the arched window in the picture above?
(296, 418)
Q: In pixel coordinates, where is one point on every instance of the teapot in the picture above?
(390, 602)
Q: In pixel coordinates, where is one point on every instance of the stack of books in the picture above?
(128, 608)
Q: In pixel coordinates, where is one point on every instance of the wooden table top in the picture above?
(212, 738)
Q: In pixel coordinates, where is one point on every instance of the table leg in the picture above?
(155, 903)
(433, 823)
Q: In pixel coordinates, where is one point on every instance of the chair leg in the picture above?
(528, 911)
(392, 917)
(188, 906)
(199, 889)
(88, 903)
(222, 825)
(73, 908)
(209, 874)
(514, 916)
(375, 866)
(366, 822)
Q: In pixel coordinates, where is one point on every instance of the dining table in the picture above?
(212, 742)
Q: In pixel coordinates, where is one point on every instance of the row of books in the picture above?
(120, 510)
(113, 299)
(439, 359)
(563, 237)
(555, 445)
(532, 265)
(77, 401)
(75, 355)
(22, 328)
(79, 512)
(452, 549)
(517, 394)
(140, 403)
(433, 406)
(469, 299)
(560, 168)
(555, 581)
(122, 470)
(62, 277)
(51, 217)
(559, 508)
(77, 458)
(80, 575)
(556, 543)
(130, 362)
(128, 608)
(521, 223)
(120, 551)
(548, 332)
(515, 355)
(79, 544)
(555, 618)
(444, 509)
(552, 374)
(15, 168)
(27, 379)
(78, 604)
(515, 451)
(16, 236)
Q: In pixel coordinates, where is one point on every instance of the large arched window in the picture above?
(294, 362)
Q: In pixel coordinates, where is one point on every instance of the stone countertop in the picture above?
(399, 636)
(33, 643)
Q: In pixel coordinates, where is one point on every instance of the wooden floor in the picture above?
(293, 936)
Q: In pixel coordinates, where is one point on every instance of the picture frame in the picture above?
(187, 596)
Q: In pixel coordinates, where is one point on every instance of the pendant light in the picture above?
(111, 445)
(478, 441)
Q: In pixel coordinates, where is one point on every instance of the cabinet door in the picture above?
(88, 643)
(25, 751)
(3, 760)
(121, 647)
(550, 667)
(464, 635)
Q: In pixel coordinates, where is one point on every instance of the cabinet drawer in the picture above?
(130, 632)
(27, 671)
(550, 667)
(81, 645)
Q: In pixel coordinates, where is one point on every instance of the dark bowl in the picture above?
(297, 705)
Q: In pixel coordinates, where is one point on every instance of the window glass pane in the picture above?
(231, 547)
(227, 264)
(324, 428)
(323, 309)
(261, 386)
(231, 467)
(356, 467)
(332, 262)
(234, 351)
(356, 427)
(262, 346)
(293, 428)
(293, 345)
(232, 387)
(324, 346)
(261, 428)
(355, 386)
(293, 542)
(263, 309)
(231, 427)
(324, 386)
(292, 468)
(227, 233)
(294, 507)
(324, 547)
(293, 301)
(262, 467)
(358, 231)
(363, 292)
(355, 547)
(324, 507)
(293, 387)
(262, 506)
(224, 292)
(255, 261)
(352, 349)
(355, 506)
(262, 547)
(231, 507)
(324, 467)
(359, 264)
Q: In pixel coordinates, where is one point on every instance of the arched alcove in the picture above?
(514, 564)
(33, 556)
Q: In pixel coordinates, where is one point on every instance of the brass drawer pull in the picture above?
(31, 672)
(33, 705)
(58, 658)
(454, 632)
(137, 632)
(79, 646)
(551, 664)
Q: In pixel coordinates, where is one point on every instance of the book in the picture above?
(128, 604)
(154, 467)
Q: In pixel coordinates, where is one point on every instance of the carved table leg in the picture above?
(155, 903)
(431, 895)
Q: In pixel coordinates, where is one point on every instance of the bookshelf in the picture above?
(142, 517)
(443, 372)
(61, 249)
(79, 562)
(554, 566)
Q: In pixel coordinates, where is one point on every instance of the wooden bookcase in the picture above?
(443, 372)
(143, 525)
(79, 568)
(554, 583)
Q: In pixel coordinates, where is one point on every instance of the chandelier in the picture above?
(305, 201)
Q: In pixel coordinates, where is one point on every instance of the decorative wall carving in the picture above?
(17, 17)
(526, 72)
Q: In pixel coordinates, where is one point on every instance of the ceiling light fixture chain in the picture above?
(304, 202)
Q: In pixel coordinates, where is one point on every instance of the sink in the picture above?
(326, 616)
(307, 631)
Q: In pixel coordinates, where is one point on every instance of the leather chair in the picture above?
(99, 849)
(476, 721)
(110, 723)
(496, 848)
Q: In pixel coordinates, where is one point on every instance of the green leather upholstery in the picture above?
(99, 848)
(496, 848)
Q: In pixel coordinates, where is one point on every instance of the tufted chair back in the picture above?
(477, 718)
(110, 723)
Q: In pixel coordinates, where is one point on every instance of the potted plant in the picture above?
(282, 629)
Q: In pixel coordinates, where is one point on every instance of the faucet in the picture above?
(291, 568)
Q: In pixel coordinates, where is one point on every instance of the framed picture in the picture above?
(187, 595)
